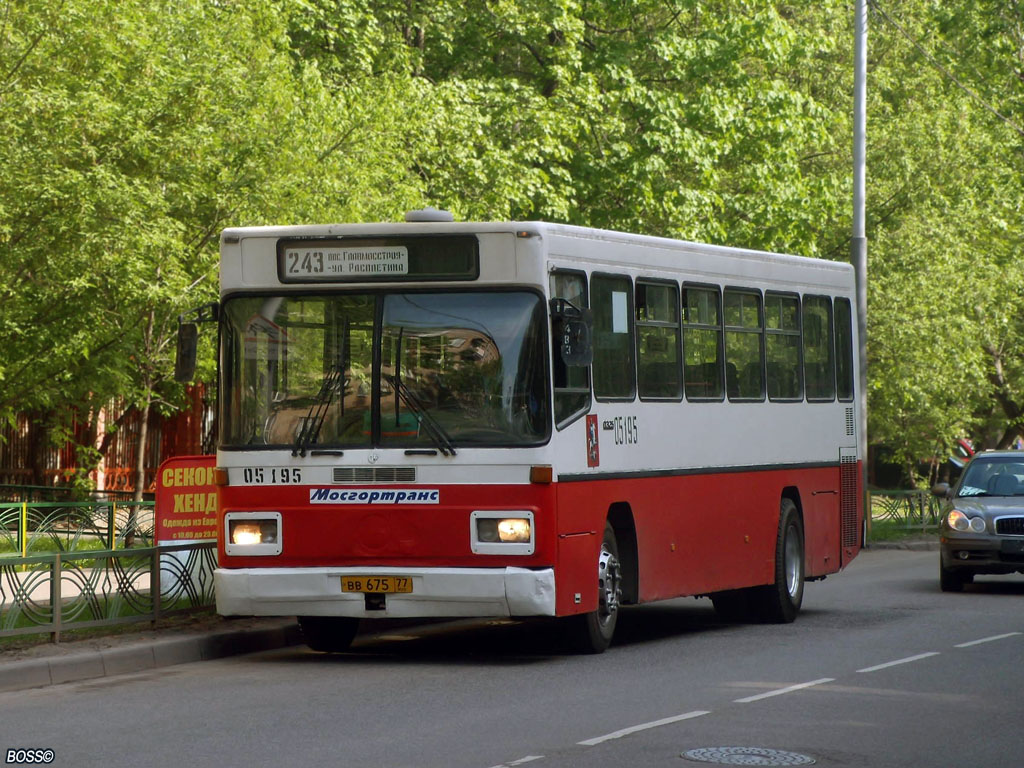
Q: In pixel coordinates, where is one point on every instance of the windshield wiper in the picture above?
(438, 435)
(314, 420)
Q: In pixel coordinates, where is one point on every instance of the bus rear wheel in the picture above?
(328, 634)
(779, 602)
(592, 632)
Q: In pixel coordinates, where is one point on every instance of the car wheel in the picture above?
(952, 581)
(328, 634)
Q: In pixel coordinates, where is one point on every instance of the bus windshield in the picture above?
(437, 370)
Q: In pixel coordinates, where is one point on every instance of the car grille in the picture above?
(1010, 526)
(375, 474)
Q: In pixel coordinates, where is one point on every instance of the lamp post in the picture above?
(858, 242)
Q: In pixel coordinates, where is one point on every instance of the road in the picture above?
(880, 669)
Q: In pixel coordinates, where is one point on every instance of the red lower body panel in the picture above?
(683, 534)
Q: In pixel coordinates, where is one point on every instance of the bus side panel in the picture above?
(695, 533)
(820, 504)
(722, 535)
(581, 518)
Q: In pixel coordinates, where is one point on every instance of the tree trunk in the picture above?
(140, 449)
(140, 469)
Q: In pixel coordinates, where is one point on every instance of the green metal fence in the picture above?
(29, 528)
(906, 509)
(75, 565)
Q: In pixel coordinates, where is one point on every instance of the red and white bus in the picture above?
(439, 419)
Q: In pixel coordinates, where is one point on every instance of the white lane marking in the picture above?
(520, 761)
(643, 727)
(987, 640)
(780, 691)
(899, 661)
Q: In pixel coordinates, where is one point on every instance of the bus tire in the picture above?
(592, 632)
(779, 602)
(328, 634)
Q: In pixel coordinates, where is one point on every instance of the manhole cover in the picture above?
(746, 756)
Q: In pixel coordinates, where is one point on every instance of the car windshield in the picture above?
(993, 476)
(435, 370)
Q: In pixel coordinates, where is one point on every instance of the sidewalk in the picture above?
(208, 637)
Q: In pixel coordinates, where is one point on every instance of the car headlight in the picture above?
(958, 521)
(252, 533)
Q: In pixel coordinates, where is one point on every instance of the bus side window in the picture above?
(702, 343)
(614, 370)
(819, 358)
(782, 346)
(571, 382)
(657, 321)
(744, 350)
(844, 349)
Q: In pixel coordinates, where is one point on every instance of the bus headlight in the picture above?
(514, 529)
(501, 532)
(252, 533)
(246, 534)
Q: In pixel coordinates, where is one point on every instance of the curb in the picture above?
(143, 656)
(913, 545)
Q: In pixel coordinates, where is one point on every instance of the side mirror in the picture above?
(941, 490)
(188, 340)
(185, 359)
(572, 331)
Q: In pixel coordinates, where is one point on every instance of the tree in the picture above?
(137, 131)
(946, 277)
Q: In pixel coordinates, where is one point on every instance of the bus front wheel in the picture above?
(328, 634)
(592, 632)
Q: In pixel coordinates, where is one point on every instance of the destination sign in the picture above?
(378, 259)
(345, 263)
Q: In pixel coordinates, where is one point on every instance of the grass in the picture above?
(45, 545)
(894, 530)
(199, 619)
(110, 608)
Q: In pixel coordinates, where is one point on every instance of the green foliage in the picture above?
(946, 276)
(136, 130)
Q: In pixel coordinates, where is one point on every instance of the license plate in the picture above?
(376, 584)
(1013, 547)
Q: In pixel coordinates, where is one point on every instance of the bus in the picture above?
(433, 418)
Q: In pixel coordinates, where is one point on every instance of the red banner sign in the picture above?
(186, 500)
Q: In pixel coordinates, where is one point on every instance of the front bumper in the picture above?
(437, 592)
(982, 553)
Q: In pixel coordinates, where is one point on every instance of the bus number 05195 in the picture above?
(271, 475)
(626, 431)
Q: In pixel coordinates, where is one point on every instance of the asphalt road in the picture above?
(880, 669)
